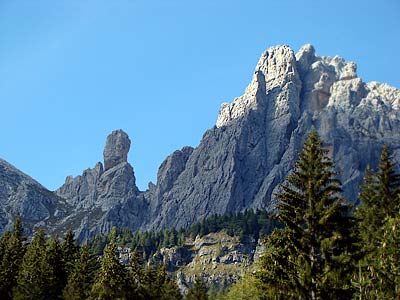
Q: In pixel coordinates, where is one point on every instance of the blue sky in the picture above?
(72, 71)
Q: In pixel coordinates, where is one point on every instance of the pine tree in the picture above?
(308, 259)
(82, 276)
(377, 215)
(388, 184)
(245, 289)
(136, 278)
(70, 250)
(198, 291)
(3, 243)
(170, 291)
(31, 279)
(14, 250)
(53, 268)
(111, 280)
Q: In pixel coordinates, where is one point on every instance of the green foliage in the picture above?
(53, 268)
(70, 251)
(249, 288)
(198, 291)
(378, 217)
(308, 259)
(247, 224)
(111, 280)
(82, 276)
(170, 291)
(31, 279)
(13, 250)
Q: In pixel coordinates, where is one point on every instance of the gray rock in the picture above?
(116, 149)
(21, 196)
(103, 199)
(240, 162)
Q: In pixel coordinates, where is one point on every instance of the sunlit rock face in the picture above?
(240, 162)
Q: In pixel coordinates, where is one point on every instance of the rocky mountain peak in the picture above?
(116, 149)
(275, 69)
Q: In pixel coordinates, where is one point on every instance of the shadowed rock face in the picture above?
(241, 161)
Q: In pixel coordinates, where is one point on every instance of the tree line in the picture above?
(247, 224)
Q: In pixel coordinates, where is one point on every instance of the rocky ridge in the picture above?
(240, 162)
(220, 259)
(22, 196)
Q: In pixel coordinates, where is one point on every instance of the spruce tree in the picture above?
(82, 276)
(388, 184)
(111, 280)
(70, 250)
(31, 279)
(137, 278)
(198, 291)
(308, 259)
(170, 291)
(14, 250)
(53, 268)
(377, 216)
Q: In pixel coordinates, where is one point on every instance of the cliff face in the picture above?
(240, 162)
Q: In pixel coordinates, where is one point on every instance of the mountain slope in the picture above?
(22, 196)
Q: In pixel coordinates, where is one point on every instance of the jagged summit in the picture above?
(322, 81)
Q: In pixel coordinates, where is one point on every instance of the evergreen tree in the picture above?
(31, 279)
(111, 280)
(377, 216)
(70, 250)
(3, 243)
(13, 252)
(170, 291)
(198, 291)
(308, 259)
(53, 268)
(137, 278)
(388, 184)
(248, 288)
(82, 276)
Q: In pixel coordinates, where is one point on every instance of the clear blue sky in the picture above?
(71, 71)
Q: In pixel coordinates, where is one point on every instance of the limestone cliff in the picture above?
(241, 161)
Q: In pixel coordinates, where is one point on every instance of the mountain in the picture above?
(240, 162)
(22, 196)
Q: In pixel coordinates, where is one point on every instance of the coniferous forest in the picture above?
(317, 246)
